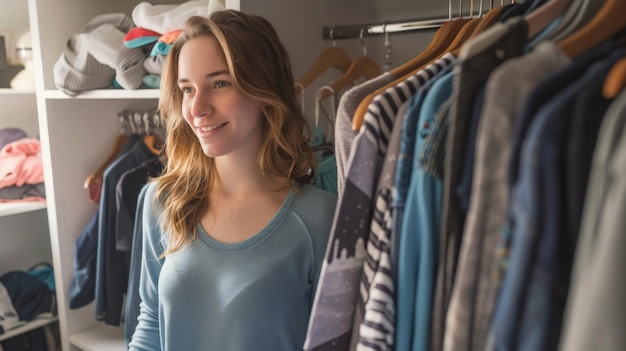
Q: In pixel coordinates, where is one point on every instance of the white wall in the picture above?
(13, 23)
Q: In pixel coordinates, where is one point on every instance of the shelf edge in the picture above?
(32, 325)
(105, 94)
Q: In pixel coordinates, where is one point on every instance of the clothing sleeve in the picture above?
(327, 203)
(147, 335)
(132, 294)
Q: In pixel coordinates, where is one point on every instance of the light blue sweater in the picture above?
(252, 295)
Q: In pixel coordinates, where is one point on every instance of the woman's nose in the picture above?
(202, 105)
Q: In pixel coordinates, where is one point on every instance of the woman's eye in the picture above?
(185, 90)
(221, 84)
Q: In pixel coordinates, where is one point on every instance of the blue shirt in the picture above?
(251, 295)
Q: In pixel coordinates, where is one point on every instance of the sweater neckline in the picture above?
(258, 237)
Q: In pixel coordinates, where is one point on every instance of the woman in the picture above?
(234, 232)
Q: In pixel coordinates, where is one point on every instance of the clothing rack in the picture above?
(408, 25)
(142, 122)
(374, 29)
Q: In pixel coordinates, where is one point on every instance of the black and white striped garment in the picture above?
(376, 297)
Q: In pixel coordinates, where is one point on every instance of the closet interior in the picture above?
(334, 47)
(78, 132)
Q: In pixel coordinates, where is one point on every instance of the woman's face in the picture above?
(223, 120)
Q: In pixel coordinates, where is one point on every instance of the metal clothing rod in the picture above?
(373, 29)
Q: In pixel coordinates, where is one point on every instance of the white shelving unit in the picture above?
(24, 234)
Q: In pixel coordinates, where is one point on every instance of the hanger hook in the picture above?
(450, 10)
(363, 41)
(386, 34)
(460, 8)
(332, 36)
(387, 65)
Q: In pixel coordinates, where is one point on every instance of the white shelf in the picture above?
(101, 338)
(11, 208)
(7, 91)
(106, 94)
(32, 325)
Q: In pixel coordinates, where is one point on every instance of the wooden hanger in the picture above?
(615, 80)
(442, 39)
(475, 27)
(464, 34)
(154, 143)
(541, 17)
(464, 30)
(488, 19)
(605, 24)
(118, 145)
(362, 66)
(576, 15)
(437, 46)
(330, 57)
(440, 42)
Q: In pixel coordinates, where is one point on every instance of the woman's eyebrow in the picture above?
(210, 75)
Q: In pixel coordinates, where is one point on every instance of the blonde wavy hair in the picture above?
(260, 69)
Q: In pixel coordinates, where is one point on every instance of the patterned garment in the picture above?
(333, 313)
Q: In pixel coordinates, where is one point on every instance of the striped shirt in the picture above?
(376, 331)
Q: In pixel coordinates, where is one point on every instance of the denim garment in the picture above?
(468, 321)
(548, 287)
(478, 58)
(404, 165)
(434, 151)
(424, 205)
(414, 232)
(544, 91)
(407, 273)
(528, 314)
(406, 156)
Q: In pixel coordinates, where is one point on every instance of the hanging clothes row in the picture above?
(102, 255)
(324, 120)
(479, 202)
